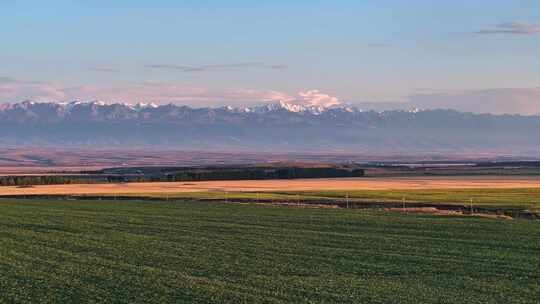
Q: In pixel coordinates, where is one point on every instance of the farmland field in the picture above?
(383, 183)
(181, 251)
(506, 194)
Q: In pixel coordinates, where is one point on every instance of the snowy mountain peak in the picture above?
(144, 105)
(312, 101)
(305, 108)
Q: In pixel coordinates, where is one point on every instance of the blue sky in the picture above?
(211, 52)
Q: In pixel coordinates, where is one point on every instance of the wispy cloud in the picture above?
(512, 28)
(209, 67)
(16, 90)
(13, 90)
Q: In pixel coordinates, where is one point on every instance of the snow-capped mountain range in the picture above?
(292, 106)
(35, 111)
(276, 126)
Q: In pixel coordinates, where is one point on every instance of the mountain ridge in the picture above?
(272, 127)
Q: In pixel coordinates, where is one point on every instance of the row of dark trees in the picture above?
(42, 180)
(190, 174)
(260, 173)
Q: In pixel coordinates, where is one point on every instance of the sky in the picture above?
(479, 56)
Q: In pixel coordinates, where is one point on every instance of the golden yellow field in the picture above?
(385, 183)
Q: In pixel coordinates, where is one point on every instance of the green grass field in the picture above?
(196, 252)
(505, 199)
(524, 198)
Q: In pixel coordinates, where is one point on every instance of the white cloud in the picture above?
(310, 98)
(316, 98)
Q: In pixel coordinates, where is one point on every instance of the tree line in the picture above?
(260, 173)
(185, 175)
(29, 180)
